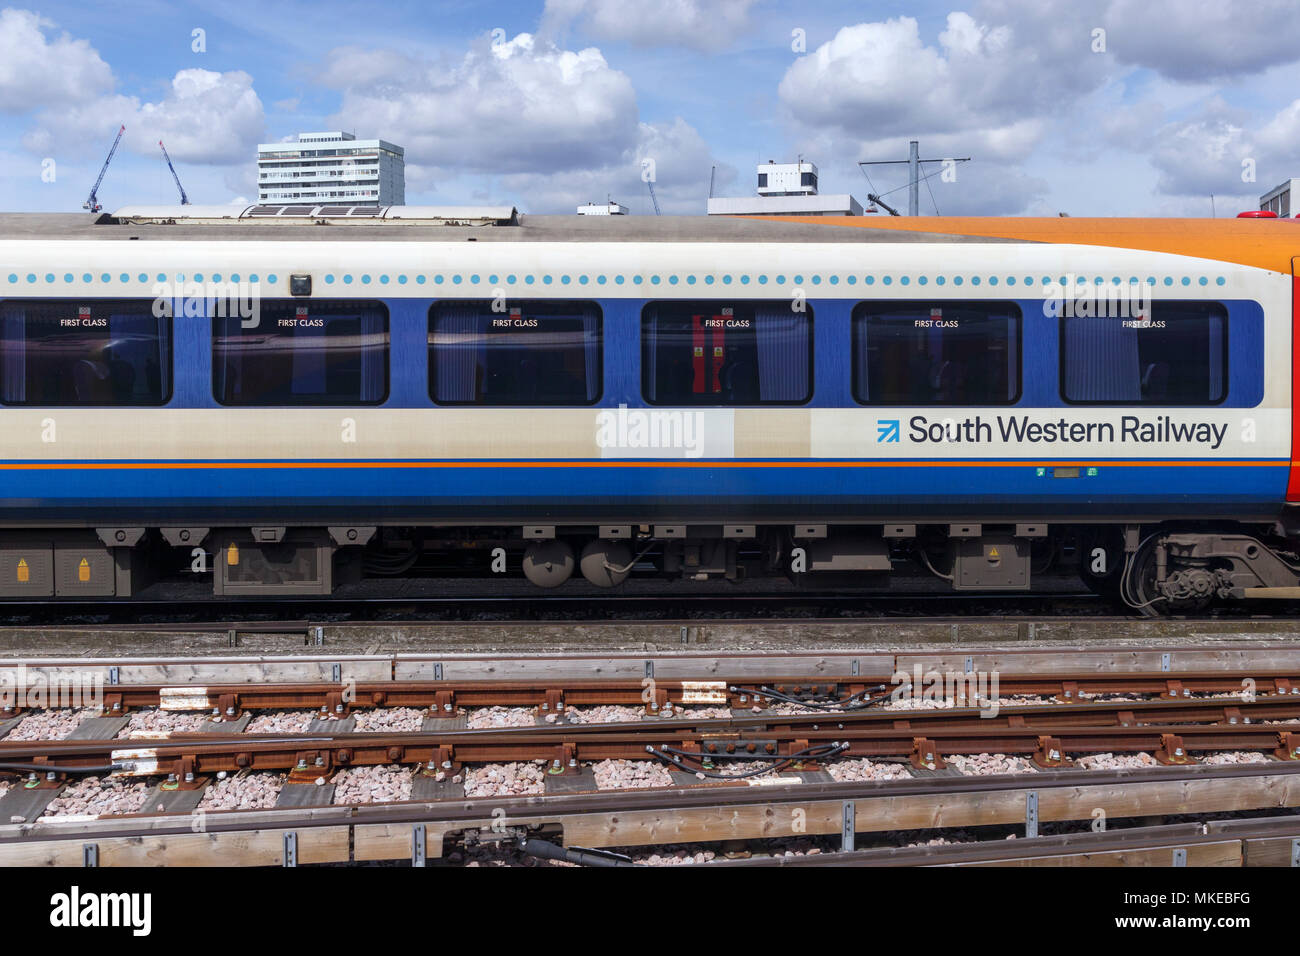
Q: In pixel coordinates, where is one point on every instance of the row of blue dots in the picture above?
(142, 277)
(366, 279)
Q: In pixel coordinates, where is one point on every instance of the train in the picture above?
(295, 399)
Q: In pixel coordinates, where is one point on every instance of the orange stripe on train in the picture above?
(1262, 243)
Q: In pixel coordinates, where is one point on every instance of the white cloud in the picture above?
(682, 163)
(698, 24)
(36, 71)
(873, 86)
(522, 120)
(876, 80)
(1213, 151)
(511, 107)
(206, 117)
(1192, 40)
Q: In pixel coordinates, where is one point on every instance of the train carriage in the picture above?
(282, 393)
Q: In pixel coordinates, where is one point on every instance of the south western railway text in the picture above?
(1131, 429)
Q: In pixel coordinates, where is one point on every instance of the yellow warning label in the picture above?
(993, 552)
(717, 351)
(699, 351)
(24, 572)
(232, 554)
(83, 570)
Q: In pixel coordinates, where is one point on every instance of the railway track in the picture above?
(1169, 729)
(816, 710)
(824, 692)
(850, 814)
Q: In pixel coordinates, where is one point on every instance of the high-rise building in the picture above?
(333, 168)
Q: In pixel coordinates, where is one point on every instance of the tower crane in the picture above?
(92, 201)
(653, 198)
(185, 200)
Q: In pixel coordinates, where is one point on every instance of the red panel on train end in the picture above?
(1293, 481)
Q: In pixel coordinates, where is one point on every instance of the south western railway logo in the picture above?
(1023, 429)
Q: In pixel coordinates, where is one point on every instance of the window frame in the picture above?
(166, 357)
(856, 317)
(809, 313)
(430, 365)
(359, 304)
(1141, 403)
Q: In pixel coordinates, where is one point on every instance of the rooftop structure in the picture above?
(786, 189)
(1282, 199)
(602, 209)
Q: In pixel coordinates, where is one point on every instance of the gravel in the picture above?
(907, 703)
(668, 856)
(160, 723)
(1116, 761)
(853, 771)
(1025, 700)
(96, 796)
(703, 713)
(245, 791)
(372, 784)
(781, 708)
(1235, 756)
(49, 724)
(485, 717)
(630, 775)
(980, 765)
(393, 719)
(505, 779)
(604, 714)
(281, 722)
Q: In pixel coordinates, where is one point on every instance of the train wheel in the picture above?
(1140, 591)
(548, 564)
(606, 564)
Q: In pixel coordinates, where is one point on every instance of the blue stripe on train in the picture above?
(1007, 488)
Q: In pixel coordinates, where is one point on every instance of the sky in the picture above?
(1107, 108)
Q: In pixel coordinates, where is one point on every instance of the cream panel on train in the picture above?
(291, 433)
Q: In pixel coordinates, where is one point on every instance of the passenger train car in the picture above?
(290, 398)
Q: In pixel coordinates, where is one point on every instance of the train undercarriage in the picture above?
(1154, 568)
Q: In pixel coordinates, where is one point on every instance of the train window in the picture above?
(726, 353)
(533, 353)
(1177, 355)
(314, 352)
(936, 353)
(92, 352)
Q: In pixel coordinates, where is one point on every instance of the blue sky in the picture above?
(1119, 107)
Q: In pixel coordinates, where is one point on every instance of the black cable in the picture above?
(575, 854)
(931, 192)
(857, 701)
(921, 180)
